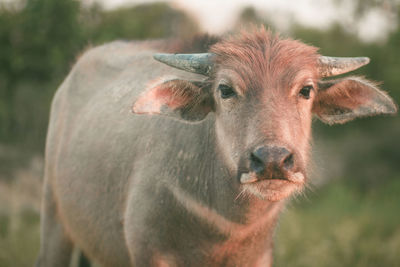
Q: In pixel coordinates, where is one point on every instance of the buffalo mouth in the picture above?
(252, 177)
(272, 189)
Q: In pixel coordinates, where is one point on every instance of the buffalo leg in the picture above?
(83, 260)
(56, 247)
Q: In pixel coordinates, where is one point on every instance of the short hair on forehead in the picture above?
(259, 55)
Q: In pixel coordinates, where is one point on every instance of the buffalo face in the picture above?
(263, 92)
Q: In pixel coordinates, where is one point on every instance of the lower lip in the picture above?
(272, 189)
(273, 184)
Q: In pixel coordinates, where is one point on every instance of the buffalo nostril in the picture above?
(256, 164)
(288, 162)
(271, 161)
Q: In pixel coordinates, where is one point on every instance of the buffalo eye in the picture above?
(305, 91)
(226, 91)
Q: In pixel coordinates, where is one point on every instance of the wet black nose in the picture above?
(270, 160)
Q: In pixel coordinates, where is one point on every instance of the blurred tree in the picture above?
(39, 41)
(50, 37)
(157, 20)
(362, 7)
(249, 17)
(8, 68)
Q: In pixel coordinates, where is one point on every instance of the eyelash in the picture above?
(305, 91)
(226, 91)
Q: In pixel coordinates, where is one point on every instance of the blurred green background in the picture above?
(350, 216)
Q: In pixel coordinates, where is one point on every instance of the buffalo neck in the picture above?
(214, 194)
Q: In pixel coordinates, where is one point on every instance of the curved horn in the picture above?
(331, 66)
(197, 63)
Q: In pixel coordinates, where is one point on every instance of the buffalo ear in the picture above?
(180, 99)
(342, 100)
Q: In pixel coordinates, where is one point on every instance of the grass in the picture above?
(19, 218)
(19, 243)
(341, 226)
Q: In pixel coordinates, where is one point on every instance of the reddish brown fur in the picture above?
(263, 62)
(172, 94)
(252, 237)
(348, 94)
(275, 67)
(269, 58)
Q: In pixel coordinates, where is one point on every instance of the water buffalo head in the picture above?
(264, 91)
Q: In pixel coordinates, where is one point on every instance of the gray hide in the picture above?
(117, 185)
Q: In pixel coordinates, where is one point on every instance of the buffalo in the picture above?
(183, 153)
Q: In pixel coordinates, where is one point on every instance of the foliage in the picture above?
(40, 42)
(142, 22)
(338, 226)
(36, 53)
